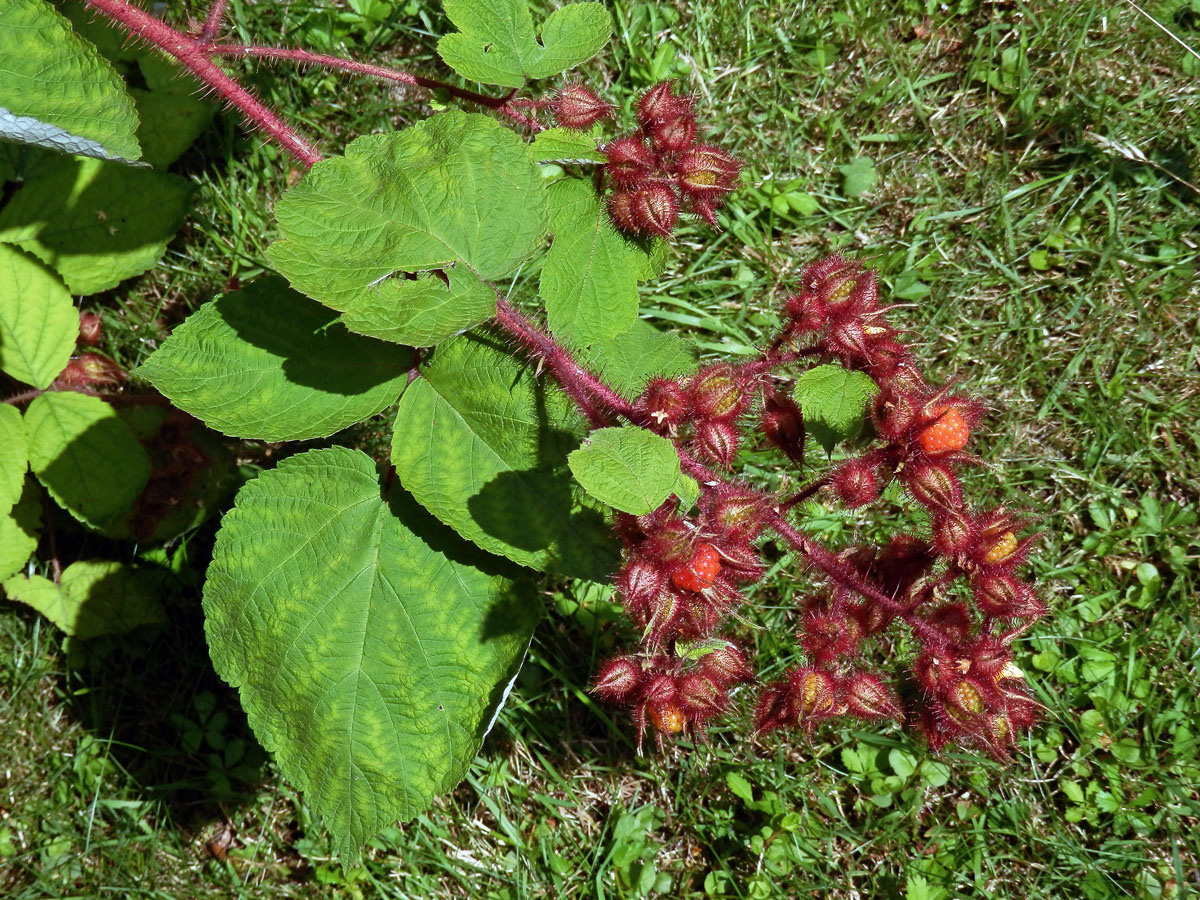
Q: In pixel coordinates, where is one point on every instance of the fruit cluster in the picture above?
(955, 590)
(658, 169)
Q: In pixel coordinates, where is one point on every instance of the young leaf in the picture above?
(858, 176)
(85, 456)
(834, 402)
(14, 456)
(564, 145)
(19, 530)
(370, 651)
(268, 363)
(483, 446)
(589, 280)
(631, 358)
(496, 44)
(457, 193)
(57, 91)
(630, 468)
(93, 598)
(96, 223)
(38, 321)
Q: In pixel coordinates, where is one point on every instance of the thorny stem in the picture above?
(212, 22)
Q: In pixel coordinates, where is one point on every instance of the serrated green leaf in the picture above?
(858, 176)
(458, 193)
(96, 223)
(631, 358)
(19, 530)
(14, 456)
(566, 145)
(589, 280)
(38, 321)
(834, 402)
(85, 456)
(483, 445)
(170, 122)
(268, 363)
(93, 598)
(629, 468)
(496, 44)
(739, 786)
(371, 651)
(687, 489)
(57, 91)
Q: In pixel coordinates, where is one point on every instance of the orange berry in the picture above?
(949, 432)
(1005, 546)
(667, 719)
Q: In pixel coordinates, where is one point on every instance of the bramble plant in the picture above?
(374, 616)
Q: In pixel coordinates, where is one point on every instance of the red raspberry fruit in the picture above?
(949, 432)
(701, 571)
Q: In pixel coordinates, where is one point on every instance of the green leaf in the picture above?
(93, 598)
(483, 445)
(14, 456)
(85, 455)
(858, 176)
(38, 321)
(630, 468)
(19, 530)
(170, 122)
(496, 44)
(589, 280)
(458, 193)
(371, 650)
(268, 363)
(630, 359)
(57, 91)
(739, 786)
(834, 402)
(96, 223)
(565, 145)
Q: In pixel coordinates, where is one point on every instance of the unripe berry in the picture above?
(967, 695)
(705, 171)
(578, 107)
(629, 161)
(782, 423)
(855, 484)
(1004, 547)
(658, 104)
(666, 719)
(717, 393)
(1001, 596)
(813, 691)
(89, 369)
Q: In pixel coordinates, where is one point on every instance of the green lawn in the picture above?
(1024, 176)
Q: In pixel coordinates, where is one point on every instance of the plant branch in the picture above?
(212, 22)
(191, 53)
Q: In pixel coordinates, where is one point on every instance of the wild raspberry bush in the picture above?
(373, 613)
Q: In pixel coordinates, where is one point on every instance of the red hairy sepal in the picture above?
(666, 402)
(774, 708)
(619, 679)
(652, 209)
(867, 697)
(895, 415)
(639, 584)
(734, 512)
(782, 423)
(718, 442)
(807, 312)
(726, 665)
(673, 135)
(578, 107)
(1002, 596)
(706, 172)
(827, 634)
(629, 161)
(90, 328)
(935, 670)
(855, 483)
(88, 370)
(933, 485)
(718, 392)
(814, 693)
(701, 697)
(740, 560)
(660, 104)
(952, 620)
(954, 533)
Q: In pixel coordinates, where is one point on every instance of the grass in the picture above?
(1028, 170)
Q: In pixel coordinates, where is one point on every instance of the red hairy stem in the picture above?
(822, 559)
(597, 400)
(305, 58)
(212, 22)
(191, 54)
(803, 494)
